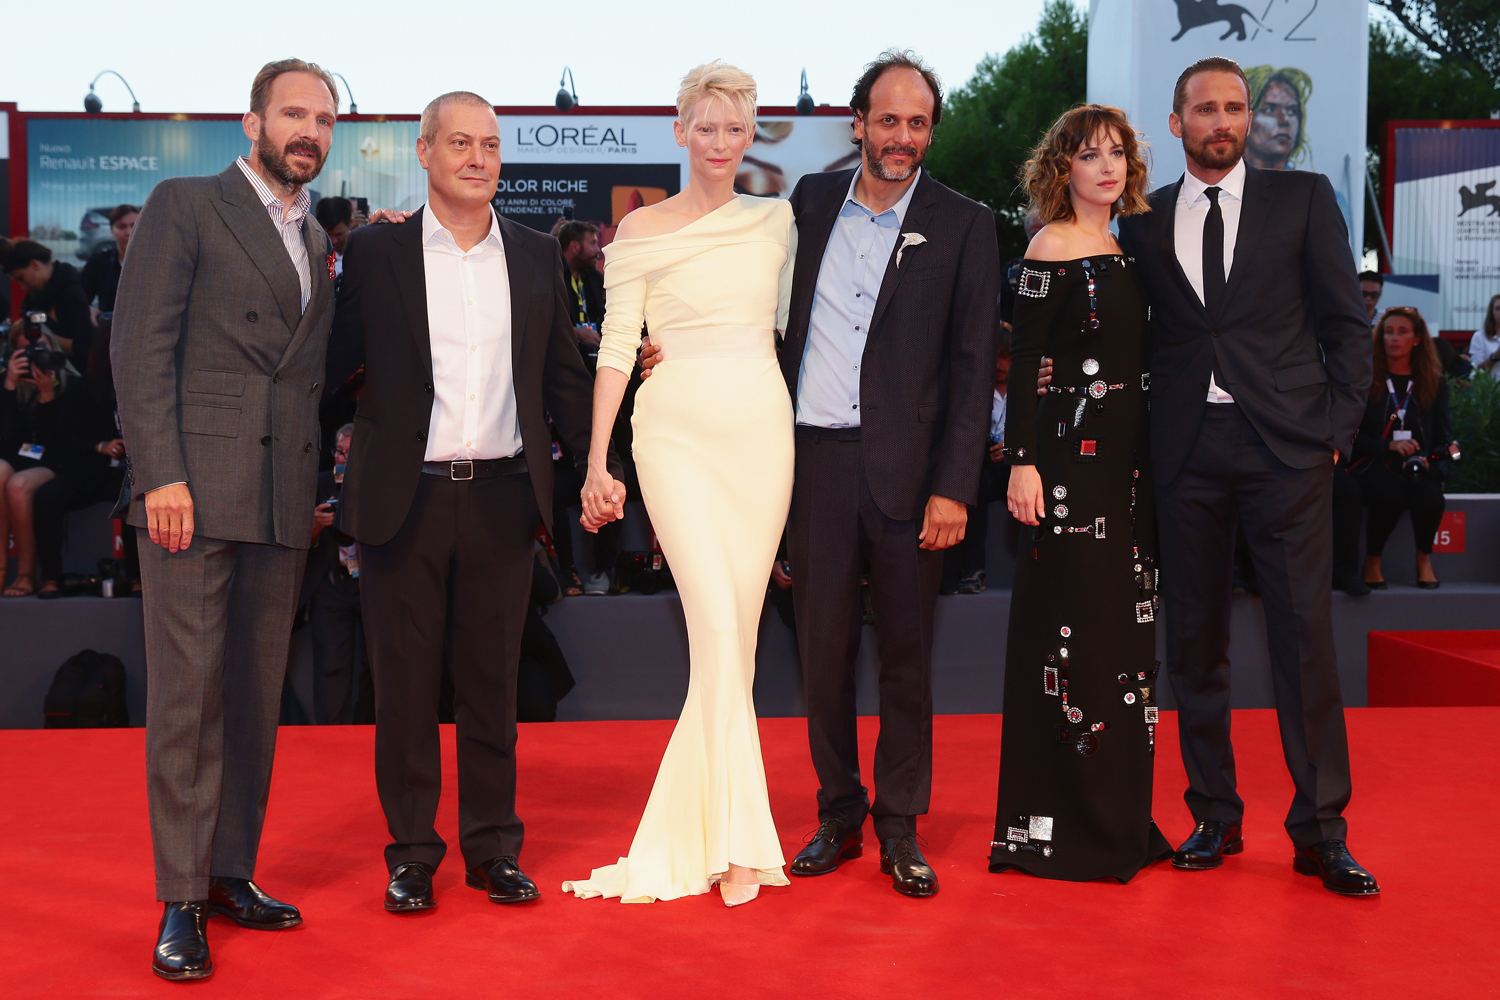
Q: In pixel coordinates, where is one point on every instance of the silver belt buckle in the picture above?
(462, 465)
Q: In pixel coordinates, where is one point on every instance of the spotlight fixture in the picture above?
(805, 101)
(353, 108)
(567, 93)
(93, 105)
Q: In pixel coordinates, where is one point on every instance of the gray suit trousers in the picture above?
(218, 615)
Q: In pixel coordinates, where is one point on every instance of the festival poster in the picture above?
(1306, 62)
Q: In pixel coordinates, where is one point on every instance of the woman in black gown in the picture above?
(1080, 679)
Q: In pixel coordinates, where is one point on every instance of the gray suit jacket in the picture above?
(217, 367)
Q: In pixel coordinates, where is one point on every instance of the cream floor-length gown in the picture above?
(713, 447)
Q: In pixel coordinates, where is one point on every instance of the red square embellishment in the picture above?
(1087, 447)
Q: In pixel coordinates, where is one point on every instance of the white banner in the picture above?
(1307, 62)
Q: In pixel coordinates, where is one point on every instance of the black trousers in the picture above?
(1232, 477)
(1389, 494)
(1348, 506)
(834, 529)
(75, 487)
(340, 667)
(566, 486)
(457, 575)
(994, 481)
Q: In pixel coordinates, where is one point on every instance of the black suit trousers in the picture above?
(835, 527)
(457, 577)
(1232, 477)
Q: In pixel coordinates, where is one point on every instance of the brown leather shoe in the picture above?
(834, 842)
(1210, 843)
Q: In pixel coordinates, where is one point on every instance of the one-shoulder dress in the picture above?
(713, 448)
(1079, 734)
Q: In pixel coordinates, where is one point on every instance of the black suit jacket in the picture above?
(927, 379)
(380, 322)
(1291, 342)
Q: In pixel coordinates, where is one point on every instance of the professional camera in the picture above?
(1417, 466)
(38, 354)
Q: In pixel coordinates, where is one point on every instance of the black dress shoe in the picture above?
(1429, 584)
(834, 842)
(1352, 584)
(1376, 584)
(410, 888)
(1331, 862)
(182, 942)
(902, 860)
(1210, 842)
(503, 880)
(244, 902)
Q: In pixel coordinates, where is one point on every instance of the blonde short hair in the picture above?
(722, 81)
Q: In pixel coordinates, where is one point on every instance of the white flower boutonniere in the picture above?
(909, 240)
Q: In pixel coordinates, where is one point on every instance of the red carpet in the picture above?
(79, 921)
(1434, 668)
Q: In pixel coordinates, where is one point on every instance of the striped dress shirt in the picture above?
(288, 222)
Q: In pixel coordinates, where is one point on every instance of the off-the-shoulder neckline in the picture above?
(738, 199)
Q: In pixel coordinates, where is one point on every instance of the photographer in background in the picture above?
(89, 466)
(54, 288)
(336, 216)
(101, 275)
(1403, 447)
(580, 250)
(330, 593)
(36, 377)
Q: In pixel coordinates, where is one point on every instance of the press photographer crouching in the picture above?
(54, 288)
(1404, 447)
(37, 373)
(89, 469)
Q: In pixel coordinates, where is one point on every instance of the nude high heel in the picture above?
(736, 894)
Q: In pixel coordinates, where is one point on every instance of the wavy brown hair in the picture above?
(1050, 165)
(1426, 369)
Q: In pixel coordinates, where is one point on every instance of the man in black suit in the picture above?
(461, 320)
(1260, 365)
(889, 354)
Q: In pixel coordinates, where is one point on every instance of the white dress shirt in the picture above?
(468, 322)
(1192, 212)
(288, 222)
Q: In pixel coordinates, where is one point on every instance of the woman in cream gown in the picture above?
(713, 447)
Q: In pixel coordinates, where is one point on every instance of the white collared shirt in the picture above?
(469, 326)
(849, 279)
(1192, 212)
(288, 222)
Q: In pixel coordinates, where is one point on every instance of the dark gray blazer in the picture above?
(217, 367)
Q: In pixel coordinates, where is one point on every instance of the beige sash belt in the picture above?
(716, 342)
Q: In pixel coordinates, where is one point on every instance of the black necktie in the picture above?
(1213, 255)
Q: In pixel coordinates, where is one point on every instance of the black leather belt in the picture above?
(465, 469)
(827, 433)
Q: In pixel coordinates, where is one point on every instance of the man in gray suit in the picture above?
(220, 333)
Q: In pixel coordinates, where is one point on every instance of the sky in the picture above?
(201, 56)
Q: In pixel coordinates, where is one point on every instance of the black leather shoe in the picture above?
(247, 904)
(1429, 584)
(1377, 584)
(1209, 844)
(902, 860)
(834, 842)
(182, 942)
(410, 888)
(1330, 861)
(503, 880)
(1352, 584)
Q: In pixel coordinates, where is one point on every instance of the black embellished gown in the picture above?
(1079, 734)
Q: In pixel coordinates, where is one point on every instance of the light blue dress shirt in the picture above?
(848, 285)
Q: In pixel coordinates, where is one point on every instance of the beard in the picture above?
(875, 160)
(292, 174)
(1215, 157)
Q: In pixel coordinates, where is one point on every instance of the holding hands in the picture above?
(603, 499)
